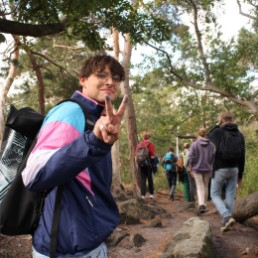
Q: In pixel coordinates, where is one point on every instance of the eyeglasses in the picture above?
(103, 77)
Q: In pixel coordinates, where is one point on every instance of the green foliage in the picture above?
(87, 18)
(250, 176)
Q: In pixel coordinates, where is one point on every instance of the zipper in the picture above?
(88, 199)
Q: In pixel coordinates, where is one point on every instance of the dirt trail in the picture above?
(227, 245)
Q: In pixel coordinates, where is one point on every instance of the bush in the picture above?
(250, 176)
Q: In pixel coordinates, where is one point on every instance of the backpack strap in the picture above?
(55, 221)
(89, 125)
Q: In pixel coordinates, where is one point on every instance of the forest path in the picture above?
(231, 244)
(228, 245)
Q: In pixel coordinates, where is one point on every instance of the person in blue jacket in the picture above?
(81, 161)
(168, 162)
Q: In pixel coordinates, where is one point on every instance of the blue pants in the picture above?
(221, 175)
(99, 252)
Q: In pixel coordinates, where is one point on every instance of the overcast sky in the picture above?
(228, 17)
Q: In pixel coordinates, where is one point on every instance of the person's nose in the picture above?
(109, 80)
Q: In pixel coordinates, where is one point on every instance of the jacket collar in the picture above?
(93, 107)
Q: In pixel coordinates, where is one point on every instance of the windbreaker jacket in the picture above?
(65, 154)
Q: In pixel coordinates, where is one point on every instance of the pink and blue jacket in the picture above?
(65, 154)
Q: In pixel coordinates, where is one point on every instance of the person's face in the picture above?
(100, 83)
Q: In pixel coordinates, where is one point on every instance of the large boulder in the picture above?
(136, 208)
(193, 239)
(116, 237)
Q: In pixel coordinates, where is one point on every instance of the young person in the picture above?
(184, 177)
(192, 187)
(200, 164)
(168, 162)
(229, 170)
(146, 171)
(81, 161)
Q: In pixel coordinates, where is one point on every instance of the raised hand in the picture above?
(107, 127)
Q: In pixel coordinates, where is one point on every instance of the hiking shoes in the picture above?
(202, 208)
(152, 196)
(171, 197)
(143, 197)
(227, 224)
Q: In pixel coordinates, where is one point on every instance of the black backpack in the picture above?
(143, 155)
(231, 148)
(20, 209)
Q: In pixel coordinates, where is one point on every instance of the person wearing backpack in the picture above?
(228, 165)
(183, 176)
(168, 163)
(192, 186)
(80, 161)
(200, 163)
(144, 158)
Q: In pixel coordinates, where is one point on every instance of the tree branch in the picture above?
(244, 14)
(26, 29)
(208, 87)
(254, 95)
(184, 136)
(255, 6)
(54, 63)
(200, 48)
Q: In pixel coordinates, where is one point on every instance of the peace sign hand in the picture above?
(107, 127)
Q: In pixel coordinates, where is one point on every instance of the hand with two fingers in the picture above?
(107, 127)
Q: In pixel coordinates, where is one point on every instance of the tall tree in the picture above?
(8, 82)
(115, 147)
(130, 115)
(216, 69)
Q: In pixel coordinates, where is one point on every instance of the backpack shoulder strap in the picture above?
(89, 124)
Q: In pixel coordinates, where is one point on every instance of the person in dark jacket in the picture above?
(146, 171)
(81, 161)
(225, 171)
(200, 164)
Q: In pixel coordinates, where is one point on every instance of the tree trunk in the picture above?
(115, 147)
(246, 207)
(203, 111)
(8, 83)
(130, 116)
(40, 82)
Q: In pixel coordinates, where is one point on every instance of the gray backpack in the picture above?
(143, 155)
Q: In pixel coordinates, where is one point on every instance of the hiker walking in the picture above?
(80, 161)
(192, 186)
(200, 164)
(228, 165)
(168, 163)
(183, 177)
(144, 157)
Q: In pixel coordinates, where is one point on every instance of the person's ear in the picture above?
(82, 81)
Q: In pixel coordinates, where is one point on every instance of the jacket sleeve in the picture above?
(241, 164)
(63, 150)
